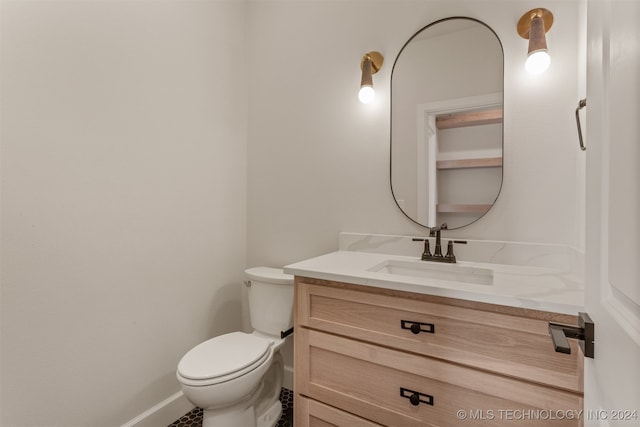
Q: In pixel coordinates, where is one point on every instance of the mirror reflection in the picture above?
(446, 123)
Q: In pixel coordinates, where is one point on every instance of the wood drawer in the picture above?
(366, 380)
(475, 334)
(315, 414)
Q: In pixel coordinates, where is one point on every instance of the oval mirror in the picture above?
(446, 123)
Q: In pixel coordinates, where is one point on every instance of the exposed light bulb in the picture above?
(370, 64)
(366, 94)
(537, 62)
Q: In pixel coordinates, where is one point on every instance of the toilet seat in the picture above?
(223, 358)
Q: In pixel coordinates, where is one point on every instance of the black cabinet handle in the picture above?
(417, 327)
(415, 397)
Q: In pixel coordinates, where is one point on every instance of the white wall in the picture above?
(123, 200)
(319, 160)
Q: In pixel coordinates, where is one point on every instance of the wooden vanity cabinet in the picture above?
(370, 356)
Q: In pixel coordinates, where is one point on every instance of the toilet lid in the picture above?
(270, 275)
(222, 355)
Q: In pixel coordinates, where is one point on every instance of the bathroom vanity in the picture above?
(411, 346)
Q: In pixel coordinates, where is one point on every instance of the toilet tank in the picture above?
(270, 300)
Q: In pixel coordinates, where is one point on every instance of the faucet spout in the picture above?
(435, 231)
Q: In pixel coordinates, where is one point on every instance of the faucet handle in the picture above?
(426, 254)
(427, 251)
(450, 256)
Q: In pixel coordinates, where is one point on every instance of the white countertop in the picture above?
(536, 288)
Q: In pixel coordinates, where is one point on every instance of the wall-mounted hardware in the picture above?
(533, 25)
(416, 397)
(370, 64)
(584, 332)
(417, 327)
(581, 104)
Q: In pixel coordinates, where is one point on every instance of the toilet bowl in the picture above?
(236, 378)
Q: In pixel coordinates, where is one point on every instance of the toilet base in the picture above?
(271, 417)
(243, 417)
(261, 409)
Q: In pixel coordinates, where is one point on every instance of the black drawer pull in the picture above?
(415, 397)
(417, 327)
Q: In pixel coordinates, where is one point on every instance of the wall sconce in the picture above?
(370, 64)
(533, 25)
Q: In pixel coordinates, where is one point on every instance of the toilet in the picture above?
(236, 378)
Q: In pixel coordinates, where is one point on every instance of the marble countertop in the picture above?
(538, 288)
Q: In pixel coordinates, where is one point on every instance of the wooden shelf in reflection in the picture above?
(488, 162)
(469, 118)
(460, 208)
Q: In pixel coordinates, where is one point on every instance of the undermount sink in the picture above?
(436, 271)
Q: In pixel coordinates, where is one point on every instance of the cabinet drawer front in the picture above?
(310, 413)
(378, 383)
(496, 342)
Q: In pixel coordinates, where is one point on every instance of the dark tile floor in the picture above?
(194, 418)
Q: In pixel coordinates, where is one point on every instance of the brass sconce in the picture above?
(370, 64)
(533, 25)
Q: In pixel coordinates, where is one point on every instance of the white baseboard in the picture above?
(172, 408)
(162, 414)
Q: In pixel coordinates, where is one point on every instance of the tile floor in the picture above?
(194, 418)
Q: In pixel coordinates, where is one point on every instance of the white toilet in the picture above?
(236, 378)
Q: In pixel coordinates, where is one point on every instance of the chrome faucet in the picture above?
(437, 254)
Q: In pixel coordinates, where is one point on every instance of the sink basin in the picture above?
(436, 271)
